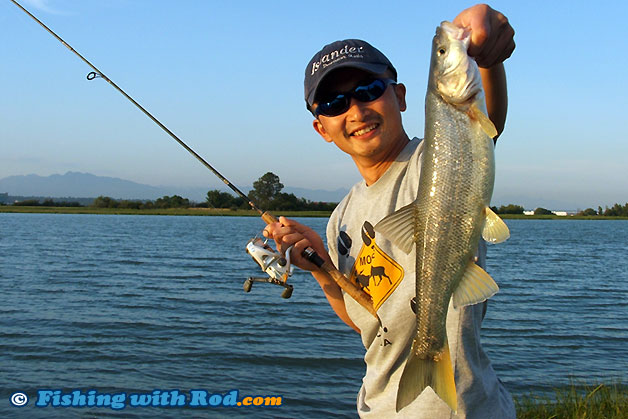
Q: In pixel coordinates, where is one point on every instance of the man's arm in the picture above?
(334, 297)
(492, 42)
(496, 95)
(288, 233)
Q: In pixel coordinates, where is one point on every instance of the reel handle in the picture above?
(349, 287)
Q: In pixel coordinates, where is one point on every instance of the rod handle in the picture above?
(347, 286)
(269, 218)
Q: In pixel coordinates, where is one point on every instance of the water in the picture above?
(137, 303)
(562, 310)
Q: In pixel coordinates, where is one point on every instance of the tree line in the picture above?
(616, 210)
(518, 209)
(174, 201)
(266, 194)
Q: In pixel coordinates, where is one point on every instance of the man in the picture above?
(351, 88)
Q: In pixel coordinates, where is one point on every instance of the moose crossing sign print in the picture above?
(374, 271)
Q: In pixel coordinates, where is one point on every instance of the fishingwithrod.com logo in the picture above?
(156, 398)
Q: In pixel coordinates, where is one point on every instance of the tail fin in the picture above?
(420, 373)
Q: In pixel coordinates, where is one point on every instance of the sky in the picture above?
(227, 78)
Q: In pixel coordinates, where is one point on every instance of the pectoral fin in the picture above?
(398, 227)
(495, 229)
(476, 286)
(487, 125)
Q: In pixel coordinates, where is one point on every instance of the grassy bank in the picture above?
(604, 401)
(166, 211)
(242, 213)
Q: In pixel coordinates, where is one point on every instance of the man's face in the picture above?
(371, 132)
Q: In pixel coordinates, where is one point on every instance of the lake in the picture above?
(147, 305)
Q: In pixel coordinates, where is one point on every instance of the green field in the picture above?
(241, 213)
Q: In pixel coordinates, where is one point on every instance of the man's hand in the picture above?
(492, 37)
(289, 232)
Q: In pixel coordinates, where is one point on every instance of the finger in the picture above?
(507, 53)
(292, 239)
(491, 34)
(287, 222)
(507, 43)
(271, 229)
(481, 37)
(297, 256)
(477, 20)
(501, 49)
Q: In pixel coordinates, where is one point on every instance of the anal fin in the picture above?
(474, 287)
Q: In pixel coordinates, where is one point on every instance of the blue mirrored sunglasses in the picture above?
(340, 103)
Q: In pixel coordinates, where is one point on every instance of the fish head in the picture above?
(453, 74)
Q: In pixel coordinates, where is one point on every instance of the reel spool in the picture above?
(273, 263)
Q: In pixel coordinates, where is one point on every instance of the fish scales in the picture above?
(458, 164)
(450, 214)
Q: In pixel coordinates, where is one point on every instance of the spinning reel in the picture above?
(273, 263)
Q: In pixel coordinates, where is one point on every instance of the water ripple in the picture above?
(134, 303)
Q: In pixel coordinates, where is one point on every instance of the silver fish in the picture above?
(450, 214)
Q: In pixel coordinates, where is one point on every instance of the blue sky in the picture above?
(227, 78)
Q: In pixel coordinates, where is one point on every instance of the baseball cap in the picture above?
(346, 53)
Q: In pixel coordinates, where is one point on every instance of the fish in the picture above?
(450, 214)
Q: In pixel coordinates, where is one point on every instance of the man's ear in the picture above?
(400, 93)
(318, 127)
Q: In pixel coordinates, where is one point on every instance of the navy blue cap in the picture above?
(347, 53)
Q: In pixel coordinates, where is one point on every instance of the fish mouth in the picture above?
(364, 130)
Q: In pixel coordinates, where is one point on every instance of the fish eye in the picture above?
(441, 51)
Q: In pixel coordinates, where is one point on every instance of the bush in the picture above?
(542, 211)
(510, 209)
(588, 212)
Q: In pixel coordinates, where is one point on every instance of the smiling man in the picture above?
(351, 88)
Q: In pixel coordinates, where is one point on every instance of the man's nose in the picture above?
(357, 110)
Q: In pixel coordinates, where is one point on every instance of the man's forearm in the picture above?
(334, 297)
(494, 83)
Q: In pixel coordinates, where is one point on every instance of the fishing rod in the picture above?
(97, 73)
(275, 265)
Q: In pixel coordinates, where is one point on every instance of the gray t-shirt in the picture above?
(388, 274)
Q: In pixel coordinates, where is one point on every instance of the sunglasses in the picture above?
(341, 102)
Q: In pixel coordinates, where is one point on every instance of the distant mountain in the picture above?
(77, 184)
(86, 185)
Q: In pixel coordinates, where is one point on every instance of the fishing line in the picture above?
(310, 254)
(97, 73)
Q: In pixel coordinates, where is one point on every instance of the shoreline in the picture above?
(225, 212)
(202, 212)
